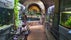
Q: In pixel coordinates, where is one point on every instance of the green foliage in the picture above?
(31, 12)
(68, 22)
(38, 13)
(16, 12)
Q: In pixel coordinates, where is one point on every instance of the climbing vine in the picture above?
(16, 13)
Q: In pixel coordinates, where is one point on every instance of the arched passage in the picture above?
(34, 7)
(38, 4)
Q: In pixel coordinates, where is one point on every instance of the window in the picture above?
(65, 13)
(65, 19)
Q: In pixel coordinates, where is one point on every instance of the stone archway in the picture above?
(39, 3)
(34, 7)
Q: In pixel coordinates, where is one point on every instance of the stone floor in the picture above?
(37, 33)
